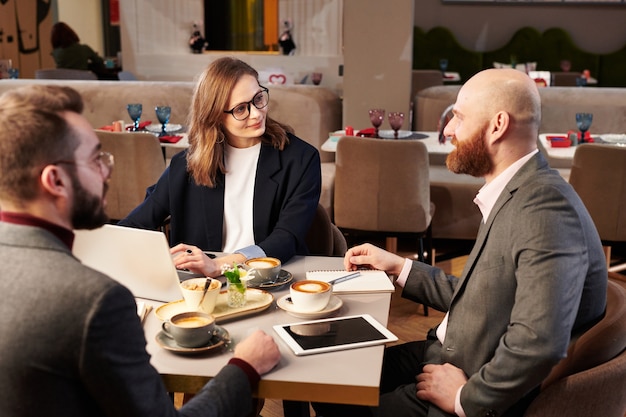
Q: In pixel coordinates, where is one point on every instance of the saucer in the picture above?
(169, 128)
(284, 277)
(220, 337)
(388, 134)
(333, 306)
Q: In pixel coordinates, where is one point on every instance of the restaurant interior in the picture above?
(370, 54)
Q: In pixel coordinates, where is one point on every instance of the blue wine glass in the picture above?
(163, 114)
(134, 111)
(583, 121)
(443, 65)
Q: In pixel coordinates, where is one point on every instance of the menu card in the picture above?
(370, 280)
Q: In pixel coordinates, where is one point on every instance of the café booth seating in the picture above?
(312, 111)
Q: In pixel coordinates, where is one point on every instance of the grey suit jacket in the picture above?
(536, 274)
(71, 343)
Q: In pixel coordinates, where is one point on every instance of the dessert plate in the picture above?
(333, 306)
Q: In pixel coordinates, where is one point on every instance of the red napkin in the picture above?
(170, 139)
(370, 132)
(109, 128)
(142, 125)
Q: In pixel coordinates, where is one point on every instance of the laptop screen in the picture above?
(139, 259)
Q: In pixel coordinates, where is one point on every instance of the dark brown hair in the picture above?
(63, 36)
(34, 133)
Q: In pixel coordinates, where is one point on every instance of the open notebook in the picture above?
(369, 281)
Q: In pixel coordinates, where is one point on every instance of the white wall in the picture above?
(155, 34)
(85, 17)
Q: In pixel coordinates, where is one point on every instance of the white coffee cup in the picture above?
(309, 296)
(193, 293)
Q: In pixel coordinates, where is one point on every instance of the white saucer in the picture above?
(388, 134)
(333, 306)
(169, 128)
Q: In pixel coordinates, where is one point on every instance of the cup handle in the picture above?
(165, 328)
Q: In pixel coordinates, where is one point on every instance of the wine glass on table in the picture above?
(376, 117)
(163, 113)
(583, 121)
(396, 119)
(443, 66)
(134, 111)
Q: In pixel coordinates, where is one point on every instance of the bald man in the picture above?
(535, 278)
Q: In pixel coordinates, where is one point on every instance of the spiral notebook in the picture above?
(370, 280)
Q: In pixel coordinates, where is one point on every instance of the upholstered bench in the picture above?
(311, 111)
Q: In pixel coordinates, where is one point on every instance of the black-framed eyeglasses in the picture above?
(104, 160)
(242, 111)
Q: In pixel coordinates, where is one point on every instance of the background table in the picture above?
(349, 376)
(431, 140)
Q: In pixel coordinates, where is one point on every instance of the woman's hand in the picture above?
(193, 259)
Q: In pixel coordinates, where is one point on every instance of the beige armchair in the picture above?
(598, 175)
(139, 163)
(382, 187)
(324, 238)
(590, 381)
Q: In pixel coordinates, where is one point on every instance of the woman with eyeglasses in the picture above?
(247, 186)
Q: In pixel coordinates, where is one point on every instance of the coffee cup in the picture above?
(195, 297)
(262, 270)
(190, 329)
(309, 296)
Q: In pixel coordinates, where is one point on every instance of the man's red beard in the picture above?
(470, 157)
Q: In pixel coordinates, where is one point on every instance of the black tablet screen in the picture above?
(333, 333)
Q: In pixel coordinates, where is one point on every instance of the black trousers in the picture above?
(401, 364)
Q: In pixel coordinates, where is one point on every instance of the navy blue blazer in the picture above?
(286, 194)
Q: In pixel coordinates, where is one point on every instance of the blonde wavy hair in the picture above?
(205, 157)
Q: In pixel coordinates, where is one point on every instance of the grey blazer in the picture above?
(72, 345)
(536, 274)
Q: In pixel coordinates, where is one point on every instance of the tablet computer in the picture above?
(338, 333)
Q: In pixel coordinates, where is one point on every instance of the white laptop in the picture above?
(139, 259)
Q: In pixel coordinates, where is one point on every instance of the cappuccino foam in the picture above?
(261, 264)
(194, 321)
(311, 287)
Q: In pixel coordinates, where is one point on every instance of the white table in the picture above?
(437, 152)
(450, 77)
(565, 154)
(350, 376)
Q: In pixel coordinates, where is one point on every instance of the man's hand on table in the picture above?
(259, 350)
